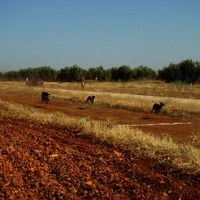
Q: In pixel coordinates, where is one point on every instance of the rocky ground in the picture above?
(47, 162)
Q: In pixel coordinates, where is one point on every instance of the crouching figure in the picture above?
(157, 107)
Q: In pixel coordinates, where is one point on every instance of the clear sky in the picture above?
(90, 33)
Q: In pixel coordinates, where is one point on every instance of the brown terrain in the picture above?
(41, 161)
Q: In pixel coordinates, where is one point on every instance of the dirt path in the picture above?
(177, 128)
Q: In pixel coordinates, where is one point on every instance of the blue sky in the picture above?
(90, 33)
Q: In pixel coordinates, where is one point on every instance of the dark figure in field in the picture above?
(90, 100)
(45, 97)
(157, 107)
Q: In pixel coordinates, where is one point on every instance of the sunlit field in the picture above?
(180, 100)
(152, 88)
(185, 156)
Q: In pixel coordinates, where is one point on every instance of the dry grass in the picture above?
(128, 99)
(152, 88)
(184, 156)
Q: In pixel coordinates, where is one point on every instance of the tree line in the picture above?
(186, 71)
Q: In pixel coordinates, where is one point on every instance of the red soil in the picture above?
(179, 132)
(48, 162)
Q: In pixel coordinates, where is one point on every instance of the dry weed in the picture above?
(185, 156)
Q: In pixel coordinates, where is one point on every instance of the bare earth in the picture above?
(144, 121)
(46, 162)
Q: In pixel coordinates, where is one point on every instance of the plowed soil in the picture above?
(46, 162)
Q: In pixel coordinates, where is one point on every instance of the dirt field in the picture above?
(179, 129)
(46, 162)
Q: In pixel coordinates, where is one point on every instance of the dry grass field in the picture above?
(116, 150)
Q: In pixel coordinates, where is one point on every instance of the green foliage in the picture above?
(44, 72)
(143, 72)
(124, 73)
(114, 74)
(98, 73)
(70, 74)
(186, 71)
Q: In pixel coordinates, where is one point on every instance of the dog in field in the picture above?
(90, 100)
(157, 107)
(45, 97)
